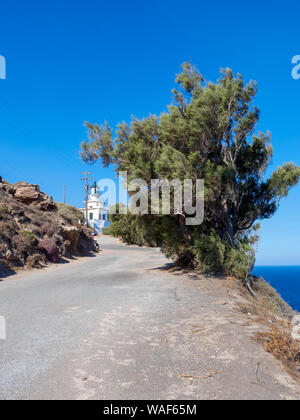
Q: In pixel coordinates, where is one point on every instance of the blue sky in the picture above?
(72, 61)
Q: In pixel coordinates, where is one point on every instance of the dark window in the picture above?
(91, 216)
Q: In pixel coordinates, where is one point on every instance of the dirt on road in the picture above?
(126, 325)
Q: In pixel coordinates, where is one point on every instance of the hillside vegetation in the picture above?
(34, 229)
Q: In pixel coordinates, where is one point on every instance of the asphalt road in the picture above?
(121, 326)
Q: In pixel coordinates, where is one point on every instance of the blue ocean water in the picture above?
(285, 279)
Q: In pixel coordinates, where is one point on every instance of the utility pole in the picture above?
(86, 179)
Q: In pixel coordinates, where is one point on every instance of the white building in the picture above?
(97, 212)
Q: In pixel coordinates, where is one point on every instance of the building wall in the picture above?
(97, 222)
(96, 211)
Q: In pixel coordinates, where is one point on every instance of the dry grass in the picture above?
(191, 378)
(279, 342)
(69, 213)
(267, 304)
(269, 310)
(271, 300)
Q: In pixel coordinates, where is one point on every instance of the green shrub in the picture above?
(28, 237)
(209, 251)
(106, 231)
(3, 211)
(136, 230)
(239, 261)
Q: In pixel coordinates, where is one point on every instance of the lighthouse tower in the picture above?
(97, 212)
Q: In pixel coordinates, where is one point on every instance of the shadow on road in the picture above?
(5, 271)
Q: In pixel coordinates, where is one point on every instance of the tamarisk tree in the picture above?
(210, 133)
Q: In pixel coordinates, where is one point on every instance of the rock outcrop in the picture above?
(30, 195)
(34, 229)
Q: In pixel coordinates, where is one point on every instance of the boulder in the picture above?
(25, 193)
(85, 246)
(47, 205)
(34, 261)
(31, 194)
(8, 188)
(71, 234)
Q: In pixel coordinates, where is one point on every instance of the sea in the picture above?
(285, 279)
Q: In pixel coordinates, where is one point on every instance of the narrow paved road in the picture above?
(120, 326)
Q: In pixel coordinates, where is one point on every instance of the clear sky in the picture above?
(73, 60)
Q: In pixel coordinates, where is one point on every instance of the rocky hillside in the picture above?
(34, 229)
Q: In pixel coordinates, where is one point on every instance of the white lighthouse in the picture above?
(97, 213)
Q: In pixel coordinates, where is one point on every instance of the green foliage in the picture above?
(106, 231)
(239, 260)
(283, 179)
(3, 211)
(209, 251)
(28, 237)
(209, 132)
